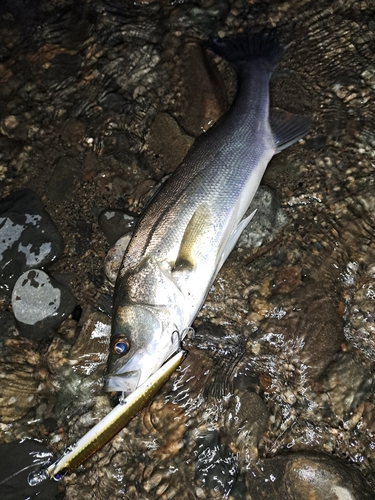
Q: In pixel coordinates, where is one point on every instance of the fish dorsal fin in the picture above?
(195, 238)
(287, 128)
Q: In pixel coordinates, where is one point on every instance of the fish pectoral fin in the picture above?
(233, 238)
(194, 239)
(287, 128)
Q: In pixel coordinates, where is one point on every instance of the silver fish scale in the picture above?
(215, 171)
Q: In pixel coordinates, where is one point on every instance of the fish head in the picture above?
(139, 345)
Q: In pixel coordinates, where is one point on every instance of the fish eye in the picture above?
(120, 344)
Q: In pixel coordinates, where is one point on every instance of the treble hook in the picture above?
(181, 335)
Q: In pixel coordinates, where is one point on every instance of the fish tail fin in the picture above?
(248, 47)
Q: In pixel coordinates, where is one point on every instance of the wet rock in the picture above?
(24, 378)
(268, 219)
(28, 236)
(202, 95)
(316, 143)
(303, 351)
(17, 460)
(115, 223)
(63, 179)
(119, 144)
(114, 257)
(215, 465)
(40, 304)
(90, 351)
(79, 369)
(344, 398)
(287, 279)
(72, 131)
(8, 324)
(299, 476)
(165, 416)
(167, 142)
(244, 421)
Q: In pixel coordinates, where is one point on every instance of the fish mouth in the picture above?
(124, 382)
(127, 377)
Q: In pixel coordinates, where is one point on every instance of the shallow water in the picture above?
(283, 357)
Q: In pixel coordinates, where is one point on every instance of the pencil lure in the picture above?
(109, 426)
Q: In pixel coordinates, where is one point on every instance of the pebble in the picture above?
(28, 236)
(17, 460)
(40, 304)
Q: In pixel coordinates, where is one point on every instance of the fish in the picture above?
(109, 426)
(193, 223)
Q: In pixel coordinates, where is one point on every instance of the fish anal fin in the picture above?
(287, 128)
(194, 238)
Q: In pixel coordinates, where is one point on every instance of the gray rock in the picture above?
(28, 236)
(40, 304)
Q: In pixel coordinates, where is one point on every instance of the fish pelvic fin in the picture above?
(248, 47)
(190, 249)
(287, 128)
(232, 240)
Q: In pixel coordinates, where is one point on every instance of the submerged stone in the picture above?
(40, 304)
(268, 219)
(28, 236)
(299, 476)
(202, 96)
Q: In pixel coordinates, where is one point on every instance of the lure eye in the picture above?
(120, 345)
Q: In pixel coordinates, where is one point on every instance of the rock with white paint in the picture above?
(28, 237)
(40, 304)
